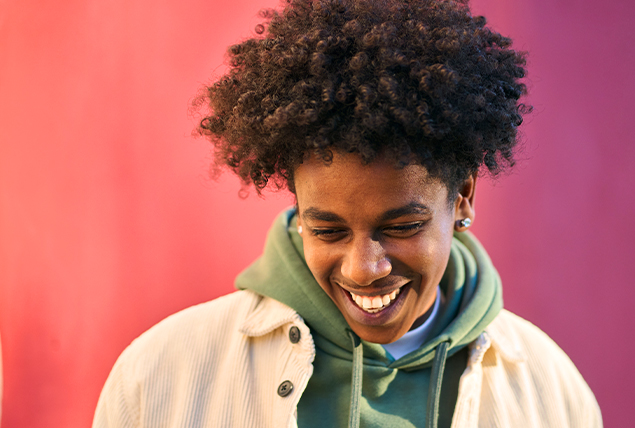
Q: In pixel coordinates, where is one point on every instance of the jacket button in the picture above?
(285, 388)
(294, 334)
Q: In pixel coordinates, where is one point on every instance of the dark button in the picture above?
(294, 334)
(285, 388)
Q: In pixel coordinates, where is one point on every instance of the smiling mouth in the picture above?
(374, 304)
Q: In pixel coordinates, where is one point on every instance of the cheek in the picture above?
(429, 256)
(441, 256)
(318, 260)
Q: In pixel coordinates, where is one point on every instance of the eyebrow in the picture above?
(411, 208)
(316, 214)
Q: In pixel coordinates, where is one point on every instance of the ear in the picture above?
(298, 219)
(464, 204)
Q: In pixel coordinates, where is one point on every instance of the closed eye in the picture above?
(403, 230)
(328, 234)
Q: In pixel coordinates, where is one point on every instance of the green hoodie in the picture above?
(356, 380)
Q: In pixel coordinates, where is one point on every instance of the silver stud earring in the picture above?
(466, 222)
(300, 230)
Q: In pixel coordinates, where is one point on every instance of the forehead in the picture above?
(349, 183)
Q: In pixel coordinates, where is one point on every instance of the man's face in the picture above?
(376, 238)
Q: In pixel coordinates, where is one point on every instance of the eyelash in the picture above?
(406, 227)
(324, 232)
(398, 229)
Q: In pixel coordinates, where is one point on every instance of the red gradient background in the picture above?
(108, 222)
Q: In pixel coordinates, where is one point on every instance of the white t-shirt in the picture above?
(414, 338)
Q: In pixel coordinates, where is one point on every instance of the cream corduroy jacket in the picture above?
(221, 364)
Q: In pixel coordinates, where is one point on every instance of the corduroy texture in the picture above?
(219, 364)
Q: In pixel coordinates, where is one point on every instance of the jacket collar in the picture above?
(268, 315)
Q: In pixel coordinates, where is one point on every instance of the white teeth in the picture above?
(374, 304)
(367, 304)
(358, 299)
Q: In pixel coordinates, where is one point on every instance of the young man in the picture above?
(371, 305)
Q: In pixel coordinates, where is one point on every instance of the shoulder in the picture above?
(516, 337)
(185, 336)
(200, 321)
(181, 356)
(520, 340)
(207, 335)
(543, 371)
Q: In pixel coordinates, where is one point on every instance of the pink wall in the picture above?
(108, 223)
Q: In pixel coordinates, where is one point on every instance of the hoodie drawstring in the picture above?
(434, 394)
(356, 381)
(436, 378)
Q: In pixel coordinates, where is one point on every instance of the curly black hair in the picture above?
(419, 80)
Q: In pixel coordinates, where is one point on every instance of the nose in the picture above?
(365, 261)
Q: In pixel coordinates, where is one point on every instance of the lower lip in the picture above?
(378, 318)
